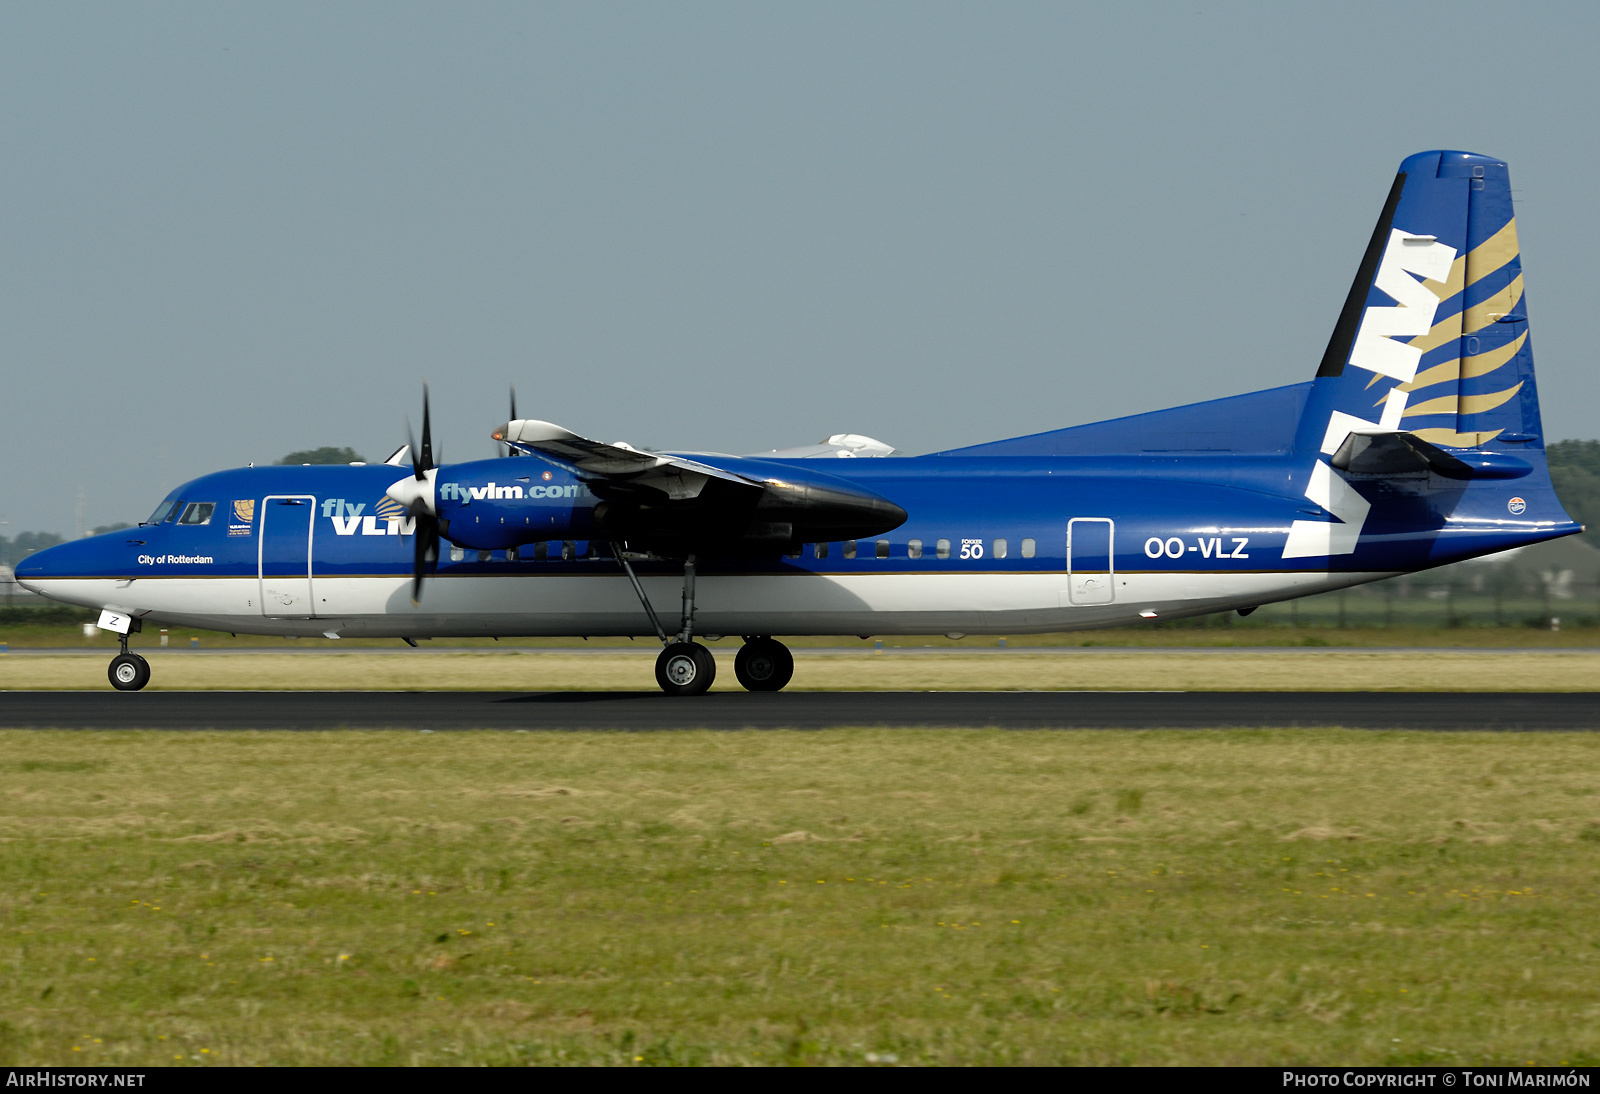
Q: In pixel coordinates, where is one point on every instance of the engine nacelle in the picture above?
(494, 504)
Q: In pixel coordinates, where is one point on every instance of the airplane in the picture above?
(1417, 443)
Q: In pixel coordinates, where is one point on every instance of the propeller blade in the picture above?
(509, 450)
(427, 434)
(411, 448)
(425, 558)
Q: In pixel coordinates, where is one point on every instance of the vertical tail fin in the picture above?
(1432, 341)
(1433, 338)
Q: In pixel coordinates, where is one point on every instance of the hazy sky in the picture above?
(229, 231)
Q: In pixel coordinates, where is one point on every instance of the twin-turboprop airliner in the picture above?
(1418, 443)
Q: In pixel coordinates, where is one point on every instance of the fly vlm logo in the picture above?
(1375, 350)
(455, 491)
(388, 518)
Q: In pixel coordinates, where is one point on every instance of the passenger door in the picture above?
(284, 556)
(1091, 577)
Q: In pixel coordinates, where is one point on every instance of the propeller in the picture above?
(416, 494)
(509, 450)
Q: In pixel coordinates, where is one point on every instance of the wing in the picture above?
(672, 501)
(680, 479)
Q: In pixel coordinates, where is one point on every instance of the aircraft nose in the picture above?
(108, 555)
(57, 561)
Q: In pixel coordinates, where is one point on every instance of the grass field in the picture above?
(769, 898)
(532, 670)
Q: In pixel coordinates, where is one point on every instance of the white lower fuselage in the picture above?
(604, 604)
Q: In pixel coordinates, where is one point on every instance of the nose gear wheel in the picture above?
(128, 672)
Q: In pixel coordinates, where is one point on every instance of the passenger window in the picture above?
(914, 549)
(883, 548)
(163, 511)
(511, 554)
(1027, 548)
(795, 552)
(999, 548)
(541, 551)
(197, 512)
(849, 548)
(942, 548)
(822, 550)
(569, 550)
(457, 553)
(485, 556)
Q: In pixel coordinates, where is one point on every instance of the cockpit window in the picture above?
(163, 511)
(197, 512)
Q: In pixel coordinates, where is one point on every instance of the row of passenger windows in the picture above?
(569, 549)
(199, 512)
(536, 552)
(970, 548)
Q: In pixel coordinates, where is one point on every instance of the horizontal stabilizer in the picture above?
(1401, 453)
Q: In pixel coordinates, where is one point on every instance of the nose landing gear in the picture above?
(128, 671)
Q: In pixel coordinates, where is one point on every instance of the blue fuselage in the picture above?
(989, 544)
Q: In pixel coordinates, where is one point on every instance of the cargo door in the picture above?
(1089, 561)
(284, 558)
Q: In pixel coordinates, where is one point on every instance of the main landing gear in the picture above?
(763, 664)
(128, 671)
(685, 667)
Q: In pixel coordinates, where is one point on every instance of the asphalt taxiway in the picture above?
(648, 711)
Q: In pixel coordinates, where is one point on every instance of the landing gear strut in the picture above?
(684, 667)
(687, 668)
(128, 671)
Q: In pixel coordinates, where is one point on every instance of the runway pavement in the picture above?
(645, 711)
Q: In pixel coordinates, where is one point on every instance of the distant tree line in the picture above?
(323, 455)
(1575, 471)
(18, 547)
(15, 549)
